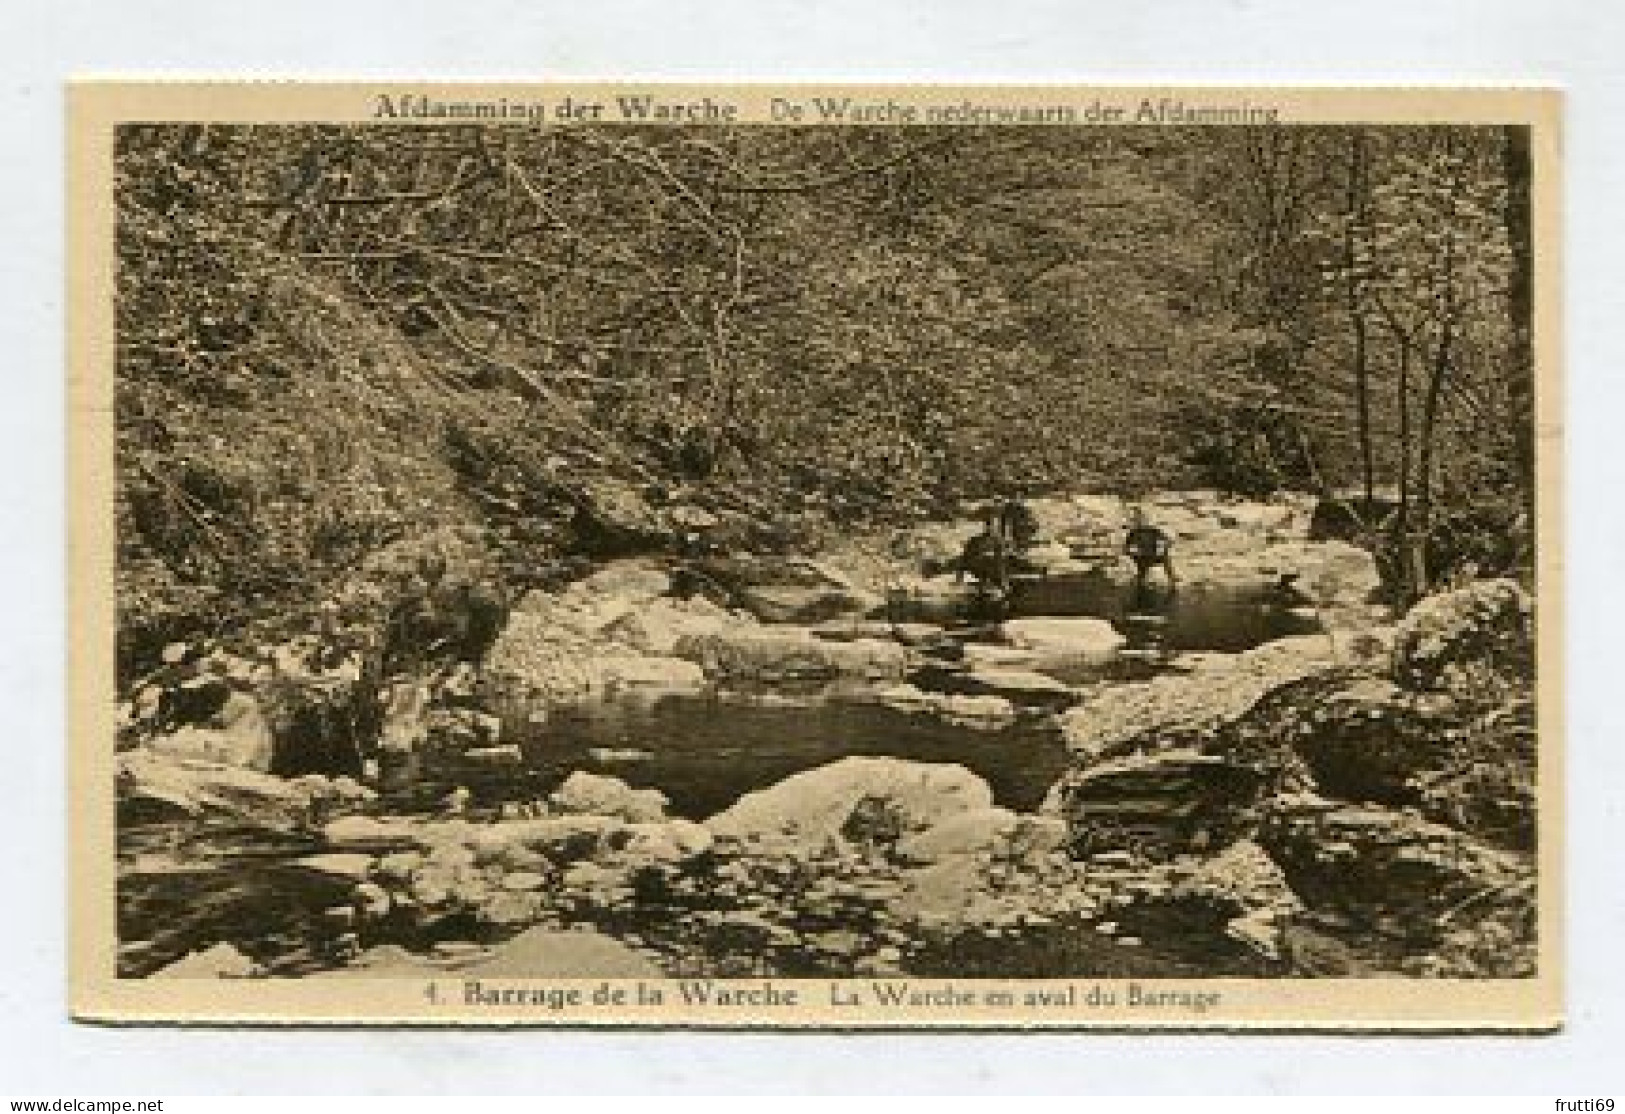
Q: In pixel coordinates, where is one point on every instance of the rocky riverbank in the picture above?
(1355, 799)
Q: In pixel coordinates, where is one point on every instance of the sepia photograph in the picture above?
(857, 556)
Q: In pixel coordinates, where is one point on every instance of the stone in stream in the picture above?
(1454, 639)
(371, 833)
(522, 880)
(909, 634)
(983, 655)
(812, 809)
(1019, 686)
(1061, 642)
(616, 627)
(560, 839)
(790, 653)
(1367, 861)
(982, 831)
(1189, 709)
(669, 841)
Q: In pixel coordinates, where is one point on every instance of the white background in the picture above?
(1577, 45)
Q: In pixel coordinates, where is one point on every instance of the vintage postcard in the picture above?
(815, 556)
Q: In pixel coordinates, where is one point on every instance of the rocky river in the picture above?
(797, 766)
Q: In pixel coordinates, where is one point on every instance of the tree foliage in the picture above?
(819, 324)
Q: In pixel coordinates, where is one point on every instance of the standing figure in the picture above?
(1019, 525)
(1148, 547)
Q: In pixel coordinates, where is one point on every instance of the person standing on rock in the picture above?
(1149, 547)
(986, 560)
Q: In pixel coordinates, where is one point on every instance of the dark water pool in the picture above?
(705, 751)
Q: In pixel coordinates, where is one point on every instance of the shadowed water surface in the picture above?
(705, 751)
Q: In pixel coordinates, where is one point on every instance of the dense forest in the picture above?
(792, 330)
(826, 551)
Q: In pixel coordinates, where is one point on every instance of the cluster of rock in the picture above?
(311, 702)
(866, 865)
(1355, 799)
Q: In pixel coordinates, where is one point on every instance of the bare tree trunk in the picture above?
(1440, 372)
(1516, 166)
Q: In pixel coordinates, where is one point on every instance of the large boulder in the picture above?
(1369, 863)
(1064, 643)
(789, 589)
(1188, 709)
(854, 799)
(1156, 804)
(634, 582)
(1019, 686)
(1464, 639)
(158, 788)
(236, 734)
(788, 653)
(1368, 740)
